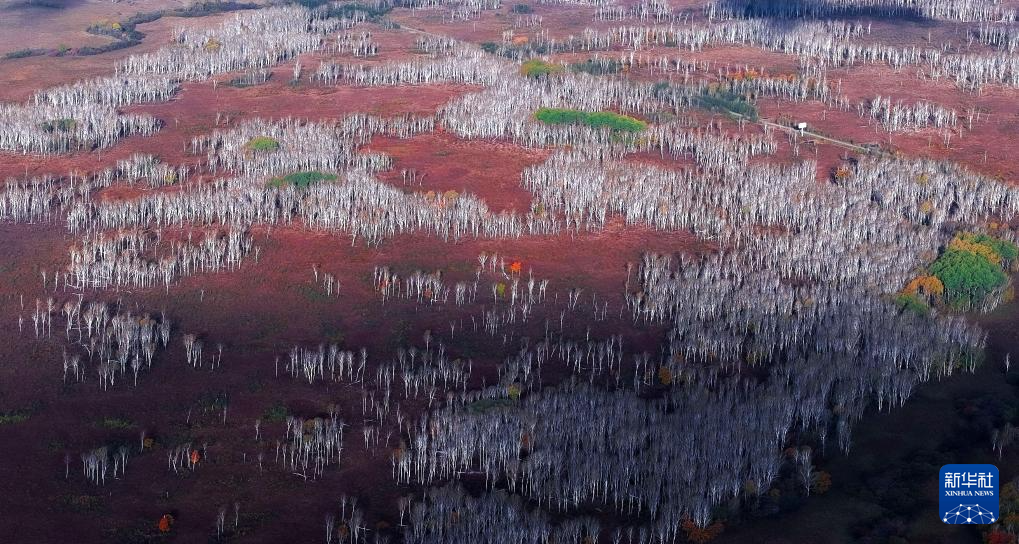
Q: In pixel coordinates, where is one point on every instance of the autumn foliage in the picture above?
(971, 268)
(513, 391)
(165, 523)
(970, 244)
(842, 173)
(821, 483)
(665, 375)
(748, 75)
(925, 285)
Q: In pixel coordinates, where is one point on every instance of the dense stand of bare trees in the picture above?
(1005, 38)
(658, 11)
(730, 433)
(147, 167)
(304, 146)
(248, 41)
(458, 10)
(310, 446)
(29, 200)
(828, 42)
(61, 129)
(107, 341)
(96, 463)
(974, 71)
(450, 515)
(464, 69)
(327, 363)
(723, 316)
(135, 259)
(349, 526)
(112, 91)
(896, 117)
(358, 204)
(84, 114)
(37, 198)
(943, 10)
(359, 45)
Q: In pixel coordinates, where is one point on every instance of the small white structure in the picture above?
(801, 126)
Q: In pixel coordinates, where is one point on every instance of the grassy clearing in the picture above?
(302, 180)
(17, 416)
(599, 119)
(116, 423)
(536, 68)
(20, 415)
(262, 143)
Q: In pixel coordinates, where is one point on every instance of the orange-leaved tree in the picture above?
(665, 375)
(821, 482)
(926, 284)
(165, 523)
(842, 173)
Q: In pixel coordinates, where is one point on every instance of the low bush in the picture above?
(262, 143)
(17, 416)
(23, 53)
(276, 413)
(116, 423)
(538, 68)
(599, 119)
(726, 102)
(908, 302)
(113, 46)
(337, 10)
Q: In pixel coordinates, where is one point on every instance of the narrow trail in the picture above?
(834, 141)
